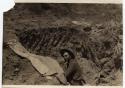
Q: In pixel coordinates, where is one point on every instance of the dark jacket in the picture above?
(73, 73)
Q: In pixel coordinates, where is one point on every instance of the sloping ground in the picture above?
(92, 32)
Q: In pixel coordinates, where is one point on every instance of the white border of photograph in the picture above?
(68, 1)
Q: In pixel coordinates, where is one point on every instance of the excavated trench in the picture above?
(48, 41)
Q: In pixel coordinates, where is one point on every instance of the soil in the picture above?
(93, 32)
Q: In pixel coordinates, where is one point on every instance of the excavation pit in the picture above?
(48, 41)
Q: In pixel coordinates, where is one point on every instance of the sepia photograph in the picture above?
(66, 44)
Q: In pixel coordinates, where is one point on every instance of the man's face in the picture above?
(66, 56)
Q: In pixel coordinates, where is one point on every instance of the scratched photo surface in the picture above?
(63, 44)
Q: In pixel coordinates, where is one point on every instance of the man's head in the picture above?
(67, 54)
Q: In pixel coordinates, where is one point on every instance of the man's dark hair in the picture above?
(62, 51)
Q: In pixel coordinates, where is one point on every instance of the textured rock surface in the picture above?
(92, 32)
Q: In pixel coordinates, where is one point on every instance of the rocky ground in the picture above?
(93, 32)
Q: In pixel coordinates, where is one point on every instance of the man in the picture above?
(72, 68)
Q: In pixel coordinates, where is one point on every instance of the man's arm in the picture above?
(71, 68)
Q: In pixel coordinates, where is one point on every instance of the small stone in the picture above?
(17, 70)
